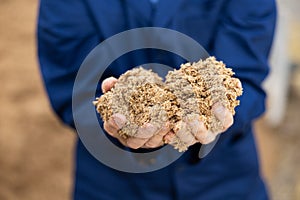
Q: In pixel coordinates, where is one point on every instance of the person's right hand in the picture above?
(148, 135)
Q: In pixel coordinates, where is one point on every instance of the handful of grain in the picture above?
(142, 97)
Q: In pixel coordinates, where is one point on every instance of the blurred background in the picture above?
(36, 150)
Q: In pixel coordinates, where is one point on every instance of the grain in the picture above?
(188, 93)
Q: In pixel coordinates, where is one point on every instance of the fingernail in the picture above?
(219, 112)
(147, 131)
(119, 120)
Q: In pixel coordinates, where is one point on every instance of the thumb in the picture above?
(108, 83)
(223, 114)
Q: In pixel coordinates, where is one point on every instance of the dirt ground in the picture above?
(279, 153)
(36, 150)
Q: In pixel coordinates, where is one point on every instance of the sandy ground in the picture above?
(279, 153)
(36, 150)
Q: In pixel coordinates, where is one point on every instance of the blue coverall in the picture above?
(239, 32)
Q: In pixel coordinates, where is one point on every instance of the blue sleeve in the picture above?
(65, 35)
(243, 41)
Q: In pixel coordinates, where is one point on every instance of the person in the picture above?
(238, 32)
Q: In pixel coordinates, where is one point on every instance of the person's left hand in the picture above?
(191, 131)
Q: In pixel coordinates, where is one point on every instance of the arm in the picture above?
(243, 41)
(65, 35)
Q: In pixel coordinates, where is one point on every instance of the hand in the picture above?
(193, 130)
(148, 135)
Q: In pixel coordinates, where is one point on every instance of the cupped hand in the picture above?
(148, 135)
(192, 130)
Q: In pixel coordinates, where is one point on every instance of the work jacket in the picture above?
(238, 32)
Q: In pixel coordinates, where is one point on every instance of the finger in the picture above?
(146, 131)
(169, 137)
(228, 121)
(238, 83)
(110, 128)
(118, 120)
(223, 114)
(157, 139)
(161, 143)
(135, 143)
(184, 134)
(121, 139)
(108, 83)
(200, 132)
(197, 127)
(114, 124)
(205, 137)
(112, 131)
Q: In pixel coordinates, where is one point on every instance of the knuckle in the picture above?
(151, 145)
(134, 143)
